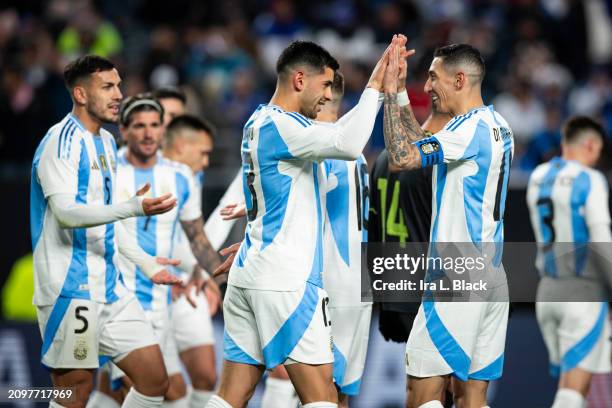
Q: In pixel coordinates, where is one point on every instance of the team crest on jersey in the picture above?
(103, 162)
(80, 349)
(430, 147)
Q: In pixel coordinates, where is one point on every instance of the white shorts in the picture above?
(266, 327)
(191, 327)
(80, 333)
(466, 339)
(351, 332)
(577, 334)
(162, 329)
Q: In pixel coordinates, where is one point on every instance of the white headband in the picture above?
(141, 102)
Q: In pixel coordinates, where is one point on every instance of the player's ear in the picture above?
(299, 80)
(79, 95)
(460, 79)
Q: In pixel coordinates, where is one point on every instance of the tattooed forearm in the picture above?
(200, 245)
(413, 129)
(398, 139)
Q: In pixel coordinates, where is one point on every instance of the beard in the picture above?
(101, 112)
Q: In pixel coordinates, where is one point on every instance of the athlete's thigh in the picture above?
(241, 341)
(313, 382)
(79, 381)
(238, 382)
(191, 327)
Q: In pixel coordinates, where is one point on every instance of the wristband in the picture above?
(402, 98)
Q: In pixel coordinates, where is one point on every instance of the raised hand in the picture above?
(158, 205)
(392, 72)
(376, 79)
(233, 211)
(231, 250)
(403, 64)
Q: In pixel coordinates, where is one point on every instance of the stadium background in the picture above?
(546, 59)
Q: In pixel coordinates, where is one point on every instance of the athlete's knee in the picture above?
(155, 383)
(177, 388)
(203, 377)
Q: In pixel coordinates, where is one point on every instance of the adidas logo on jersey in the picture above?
(94, 166)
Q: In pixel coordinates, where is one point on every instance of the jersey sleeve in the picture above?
(58, 169)
(596, 209)
(343, 140)
(188, 196)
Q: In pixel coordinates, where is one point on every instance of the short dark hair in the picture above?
(338, 84)
(574, 127)
(83, 67)
(143, 102)
(170, 92)
(305, 53)
(462, 54)
(189, 122)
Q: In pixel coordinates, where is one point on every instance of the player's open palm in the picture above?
(233, 211)
(157, 205)
(392, 71)
(164, 277)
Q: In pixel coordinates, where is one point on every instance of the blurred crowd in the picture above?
(546, 59)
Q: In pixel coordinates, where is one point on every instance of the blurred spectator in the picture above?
(87, 32)
(591, 97)
(522, 110)
(18, 291)
(545, 144)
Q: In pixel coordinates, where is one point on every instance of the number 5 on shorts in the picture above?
(78, 316)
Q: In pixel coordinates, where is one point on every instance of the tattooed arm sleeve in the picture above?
(400, 130)
(200, 245)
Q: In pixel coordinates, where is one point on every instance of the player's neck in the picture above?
(285, 100)
(91, 124)
(140, 161)
(572, 154)
(465, 104)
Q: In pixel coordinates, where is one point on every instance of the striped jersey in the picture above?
(282, 183)
(473, 154)
(80, 262)
(346, 222)
(566, 200)
(155, 234)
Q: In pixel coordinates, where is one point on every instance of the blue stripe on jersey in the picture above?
(244, 248)
(182, 190)
(474, 186)
(38, 204)
(287, 337)
(315, 276)
(233, 352)
(446, 344)
(300, 120)
(339, 366)
(65, 129)
(441, 170)
(76, 278)
(580, 192)
(546, 212)
(55, 319)
(576, 354)
(109, 236)
(352, 388)
(338, 207)
(275, 186)
(146, 228)
(491, 372)
(69, 142)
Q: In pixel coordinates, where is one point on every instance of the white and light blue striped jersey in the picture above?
(346, 227)
(473, 154)
(80, 262)
(155, 234)
(282, 183)
(566, 200)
